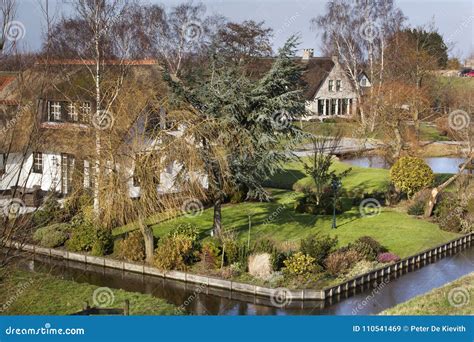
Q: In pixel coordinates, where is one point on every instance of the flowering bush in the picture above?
(387, 257)
(299, 264)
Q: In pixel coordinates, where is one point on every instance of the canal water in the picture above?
(201, 300)
(437, 164)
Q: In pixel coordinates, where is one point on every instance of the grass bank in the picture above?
(24, 293)
(455, 298)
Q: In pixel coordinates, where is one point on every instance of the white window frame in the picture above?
(72, 112)
(85, 110)
(338, 85)
(37, 162)
(331, 85)
(54, 108)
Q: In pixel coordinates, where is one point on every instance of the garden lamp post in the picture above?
(336, 185)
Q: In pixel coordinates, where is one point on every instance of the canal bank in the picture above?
(369, 298)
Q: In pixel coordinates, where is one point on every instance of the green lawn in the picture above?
(360, 179)
(401, 233)
(41, 294)
(455, 298)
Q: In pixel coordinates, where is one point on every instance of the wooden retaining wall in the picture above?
(406, 264)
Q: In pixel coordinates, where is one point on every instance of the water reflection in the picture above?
(437, 164)
(371, 299)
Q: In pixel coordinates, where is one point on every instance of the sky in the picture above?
(453, 18)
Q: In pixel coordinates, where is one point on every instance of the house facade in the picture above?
(48, 143)
(331, 92)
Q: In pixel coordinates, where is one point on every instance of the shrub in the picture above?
(417, 208)
(76, 202)
(186, 229)
(308, 203)
(340, 262)
(367, 247)
(387, 257)
(49, 213)
(278, 259)
(52, 236)
(411, 174)
(263, 246)
(174, 252)
(449, 213)
(210, 254)
(300, 264)
(88, 238)
(230, 248)
(318, 247)
(131, 248)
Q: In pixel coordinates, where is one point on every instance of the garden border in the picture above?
(299, 294)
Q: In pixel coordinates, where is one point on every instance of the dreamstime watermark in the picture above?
(370, 30)
(459, 120)
(281, 119)
(286, 24)
(18, 292)
(103, 297)
(376, 291)
(14, 31)
(465, 24)
(192, 31)
(9, 124)
(459, 297)
(103, 120)
(370, 207)
(46, 330)
(191, 298)
(274, 215)
(281, 297)
(14, 208)
(192, 207)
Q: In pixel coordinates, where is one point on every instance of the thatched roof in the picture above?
(315, 71)
(23, 108)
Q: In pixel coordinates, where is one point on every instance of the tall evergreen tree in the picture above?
(251, 121)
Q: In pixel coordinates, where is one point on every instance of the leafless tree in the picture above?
(357, 32)
(7, 14)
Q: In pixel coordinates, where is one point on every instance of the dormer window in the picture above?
(54, 111)
(331, 85)
(85, 110)
(72, 112)
(66, 111)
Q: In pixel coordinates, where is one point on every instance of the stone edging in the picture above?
(303, 294)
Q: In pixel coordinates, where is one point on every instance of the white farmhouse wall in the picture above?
(18, 171)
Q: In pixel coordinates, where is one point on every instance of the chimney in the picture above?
(307, 54)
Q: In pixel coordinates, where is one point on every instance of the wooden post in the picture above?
(126, 308)
(85, 305)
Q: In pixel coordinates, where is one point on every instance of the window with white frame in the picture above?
(72, 112)
(37, 162)
(338, 85)
(54, 109)
(331, 85)
(85, 110)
